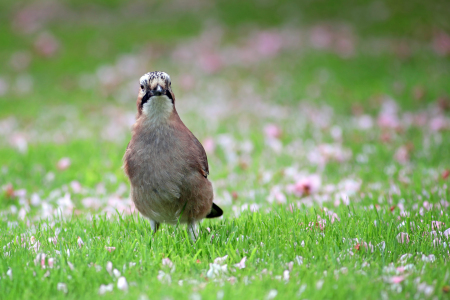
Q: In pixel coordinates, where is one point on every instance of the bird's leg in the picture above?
(192, 230)
(154, 225)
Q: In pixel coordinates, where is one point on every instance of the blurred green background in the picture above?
(366, 48)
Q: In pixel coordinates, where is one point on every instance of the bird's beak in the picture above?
(157, 92)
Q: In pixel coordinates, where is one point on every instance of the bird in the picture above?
(166, 164)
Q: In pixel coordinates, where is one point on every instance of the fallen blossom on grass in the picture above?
(164, 277)
(51, 262)
(368, 247)
(396, 279)
(286, 275)
(426, 289)
(76, 186)
(437, 225)
(241, 264)
(445, 174)
(122, 284)
(428, 258)
(71, 266)
(272, 294)
(332, 215)
(53, 240)
(92, 202)
(167, 262)
(105, 288)
(388, 115)
(402, 155)
(306, 185)
(441, 43)
(364, 122)
(8, 190)
(220, 260)
(46, 44)
(216, 270)
(35, 244)
(64, 163)
(19, 141)
(272, 131)
(439, 123)
(275, 145)
(319, 284)
(329, 152)
(446, 233)
(388, 121)
(80, 242)
(4, 87)
(232, 280)
(109, 267)
(116, 273)
(65, 204)
(268, 43)
(110, 249)
(382, 246)
(404, 258)
(62, 287)
(22, 213)
(290, 265)
(276, 195)
(403, 237)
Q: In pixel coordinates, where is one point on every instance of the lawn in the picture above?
(327, 130)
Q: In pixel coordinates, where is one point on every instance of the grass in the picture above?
(329, 257)
(340, 237)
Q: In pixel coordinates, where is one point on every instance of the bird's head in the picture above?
(155, 98)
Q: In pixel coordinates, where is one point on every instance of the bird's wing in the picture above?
(203, 158)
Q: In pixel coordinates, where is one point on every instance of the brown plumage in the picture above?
(166, 164)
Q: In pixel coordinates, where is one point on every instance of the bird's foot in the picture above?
(193, 231)
(154, 225)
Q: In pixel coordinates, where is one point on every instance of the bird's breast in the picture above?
(156, 163)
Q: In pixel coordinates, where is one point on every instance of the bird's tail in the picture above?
(215, 212)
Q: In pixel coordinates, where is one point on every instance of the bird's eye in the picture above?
(142, 87)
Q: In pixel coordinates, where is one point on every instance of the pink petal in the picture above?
(272, 131)
(46, 44)
(403, 238)
(402, 155)
(167, 262)
(241, 264)
(63, 163)
(397, 279)
(441, 43)
(437, 224)
(80, 242)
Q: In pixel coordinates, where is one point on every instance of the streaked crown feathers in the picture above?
(150, 80)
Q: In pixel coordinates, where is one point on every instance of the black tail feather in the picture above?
(215, 212)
